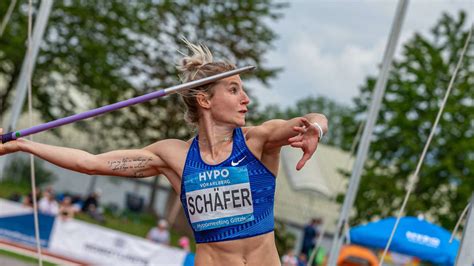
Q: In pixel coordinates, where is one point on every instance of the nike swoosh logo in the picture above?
(237, 163)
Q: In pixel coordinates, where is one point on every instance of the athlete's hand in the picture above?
(307, 140)
(9, 147)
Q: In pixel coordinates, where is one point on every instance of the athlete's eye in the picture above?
(233, 90)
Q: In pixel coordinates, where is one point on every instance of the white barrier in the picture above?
(102, 246)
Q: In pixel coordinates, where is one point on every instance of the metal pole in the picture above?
(465, 254)
(21, 88)
(25, 74)
(368, 129)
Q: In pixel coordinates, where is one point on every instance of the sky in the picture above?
(328, 48)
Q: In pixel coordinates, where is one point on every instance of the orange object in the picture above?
(353, 255)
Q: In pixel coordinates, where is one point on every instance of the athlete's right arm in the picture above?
(129, 163)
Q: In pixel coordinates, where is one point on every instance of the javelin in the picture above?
(112, 107)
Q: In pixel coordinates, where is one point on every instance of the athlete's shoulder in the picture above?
(168, 145)
(172, 152)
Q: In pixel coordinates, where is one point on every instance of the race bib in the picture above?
(218, 198)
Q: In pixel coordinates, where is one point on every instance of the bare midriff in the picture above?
(257, 250)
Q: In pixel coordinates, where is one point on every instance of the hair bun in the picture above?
(201, 55)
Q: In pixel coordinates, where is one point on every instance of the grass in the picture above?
(9, 188)
(23, 258)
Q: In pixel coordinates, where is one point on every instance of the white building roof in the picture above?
(311, 192)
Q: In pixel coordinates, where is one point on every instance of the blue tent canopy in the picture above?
(414, 237)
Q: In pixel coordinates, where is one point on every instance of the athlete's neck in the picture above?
(214, 138)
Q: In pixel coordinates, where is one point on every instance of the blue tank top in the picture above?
(230, 200)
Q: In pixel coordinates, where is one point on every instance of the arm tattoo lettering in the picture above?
(136, 164)
(138, 174)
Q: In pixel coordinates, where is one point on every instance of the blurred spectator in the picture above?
(92, 199)
(160, 234)
(50, 190)
(302, 259)
(310, 234)
(77, 202)
(48, 203)
(289, 259)
(66, 209)
(15, 197)
(28, 199)
(92, 208)
(183, 242)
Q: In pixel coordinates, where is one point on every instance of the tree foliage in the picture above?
(19, 172)
(342, 127)
(415, 89)
(99, 52)
(96, 53)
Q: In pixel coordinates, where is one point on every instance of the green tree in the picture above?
(342, 126)
(19, 172)
(112, 50)
(99, 52)
(415, 89)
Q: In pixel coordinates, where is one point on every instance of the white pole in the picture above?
(368, 129)
(25, 74)
(465, 254)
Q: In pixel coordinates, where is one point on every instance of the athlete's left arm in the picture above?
(300, 132)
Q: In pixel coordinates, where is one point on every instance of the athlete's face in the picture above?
(229, 102)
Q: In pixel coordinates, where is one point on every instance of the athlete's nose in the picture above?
(245, 99)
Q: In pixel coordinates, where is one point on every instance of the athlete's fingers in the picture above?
(296, 138)
(304, 159)
(298, 129)
(297, 144)
(300, 165)
(306, 123)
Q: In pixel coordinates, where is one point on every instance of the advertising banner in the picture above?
(17, 224)
(86, 242)
(108, 247)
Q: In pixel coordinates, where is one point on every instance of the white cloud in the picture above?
(329, 47)
(335, 75)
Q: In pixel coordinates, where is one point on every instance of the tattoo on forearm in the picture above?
(130, 164)
(138, 174)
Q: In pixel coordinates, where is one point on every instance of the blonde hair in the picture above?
(197, 66)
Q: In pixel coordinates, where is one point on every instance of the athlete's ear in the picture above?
(202, 99)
